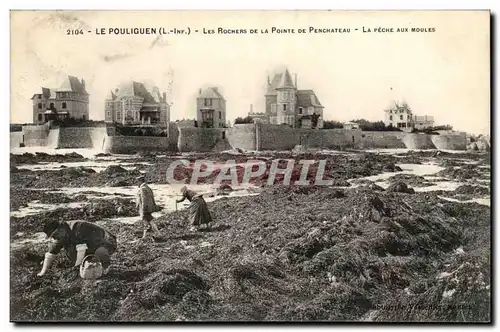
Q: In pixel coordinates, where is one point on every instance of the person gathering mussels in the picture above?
(198, 209)
(145, 203)
(78, 239)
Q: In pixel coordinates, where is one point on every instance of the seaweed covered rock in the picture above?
(391, 167)
(400, 187)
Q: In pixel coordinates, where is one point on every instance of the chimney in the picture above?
(268, 80)
(251, 108)
(295, 80)
(83, 84)
(164, 97)
(199, 91)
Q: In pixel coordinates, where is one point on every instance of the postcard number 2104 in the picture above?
(74, 32)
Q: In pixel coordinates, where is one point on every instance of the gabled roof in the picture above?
(73, 84)
(306, 98)
(286, 81)
(135, 89)
(210, 93)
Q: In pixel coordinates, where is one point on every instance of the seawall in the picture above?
(193, 139)
(134, 144)
(242, 136)
(450, 141)
(16, 138)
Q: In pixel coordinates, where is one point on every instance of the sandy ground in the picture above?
(399, 236)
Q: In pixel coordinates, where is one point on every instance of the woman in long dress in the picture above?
(198, 209)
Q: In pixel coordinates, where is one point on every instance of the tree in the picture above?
(366, 125)
(240, 120)
(332, 125)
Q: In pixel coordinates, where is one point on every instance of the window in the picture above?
(311, 110)
(39, 96)
(401, 117)
(109, 114)
(284, 107)
(300, 110)
(223, 135)
(220, 115)
(390, 118)
(273, 108)
(40, 117)
(208, 102)
(83, 117)
(119, 115)
(64, 104)
(51, 106)
(40, 105)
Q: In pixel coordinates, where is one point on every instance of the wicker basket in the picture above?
(91, 268)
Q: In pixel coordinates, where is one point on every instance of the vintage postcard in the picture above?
(228, 166)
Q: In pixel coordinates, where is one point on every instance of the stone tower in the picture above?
(286, 100)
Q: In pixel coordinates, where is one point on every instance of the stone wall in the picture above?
(134, 144)
(36, 135)
(202, 139)
(276, 137)
(382, 140)
(16, 138)
(173, 134)
(99, 136)
(242, 136)
(75, 138)
(450, 141)
(258, 136)
(335, 139)
(418, 141)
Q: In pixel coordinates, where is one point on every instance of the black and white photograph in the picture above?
(250, 166)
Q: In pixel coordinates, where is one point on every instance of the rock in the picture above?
(299, 149)
(472, 146)
(390, 167)
(224, 189)
(482, 145)
(113, 169)
(375, 187)
(400, 187)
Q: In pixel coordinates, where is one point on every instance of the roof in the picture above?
(280, 80)
(271, 88)
(286, 81)
(210, 93)
(73, 84)
(306, 98)
(135, 89)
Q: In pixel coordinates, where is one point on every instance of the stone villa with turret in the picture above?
(285, 104)
(132, 103)
(71, 100)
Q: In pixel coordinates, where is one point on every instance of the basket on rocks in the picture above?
(91, 268)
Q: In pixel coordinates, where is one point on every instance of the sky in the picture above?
(445, 74)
